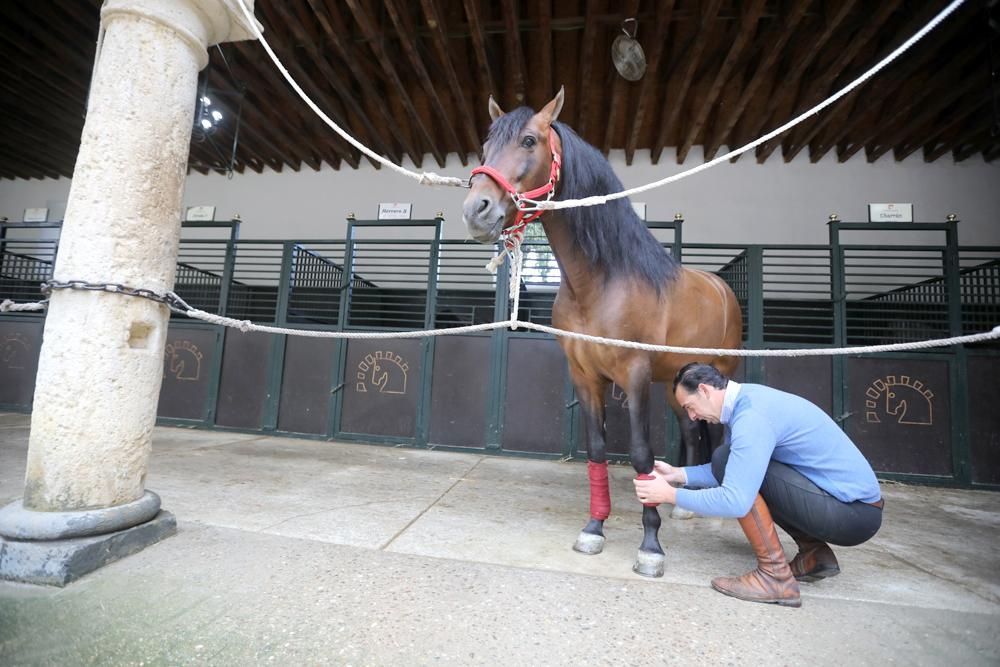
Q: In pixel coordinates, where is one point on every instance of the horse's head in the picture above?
(520, 159)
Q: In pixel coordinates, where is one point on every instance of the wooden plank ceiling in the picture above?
(412, 78)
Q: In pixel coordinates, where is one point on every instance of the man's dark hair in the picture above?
(697, 373)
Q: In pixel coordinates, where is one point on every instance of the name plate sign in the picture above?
(394, 211)
(890, 212)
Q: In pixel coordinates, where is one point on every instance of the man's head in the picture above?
(700, 389)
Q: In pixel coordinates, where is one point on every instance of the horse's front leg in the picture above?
(591, 397)
(649, 560)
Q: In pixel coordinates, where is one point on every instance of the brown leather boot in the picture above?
(772, 581)
(814, 561)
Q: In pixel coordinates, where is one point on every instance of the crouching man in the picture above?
(784, 461)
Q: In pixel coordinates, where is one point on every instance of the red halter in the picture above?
(515, 233)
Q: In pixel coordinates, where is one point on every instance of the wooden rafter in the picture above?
(618, 100)
(367, 25)
(747, 29)
(820, 86)
(672, 110)
(487, 86)
(467, 123)
(775, 46)
(587, 39)
(664, 12)
(513, 55)
(404, 32)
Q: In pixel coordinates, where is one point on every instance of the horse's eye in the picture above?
(528, 142)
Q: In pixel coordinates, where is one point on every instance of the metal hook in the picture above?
(635, 27)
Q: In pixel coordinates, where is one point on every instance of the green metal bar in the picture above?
(755, 311)
(276, 359)
(959, 370)
(496, 396)
(838, 364)
(336, 393)
(428, 344)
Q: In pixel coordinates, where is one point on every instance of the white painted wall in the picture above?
(738, 203)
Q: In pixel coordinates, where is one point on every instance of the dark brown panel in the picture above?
(808, 377)
(617, 429)
(984, 419)
(20, 342)
(534, 410)
(306, 382)
(459, 390)
(382, 387)
(243, 385)
(188, 361)
(900, 414)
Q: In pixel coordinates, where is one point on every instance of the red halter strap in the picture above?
(516, 231)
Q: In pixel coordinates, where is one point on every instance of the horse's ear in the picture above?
(551, 110)
(495, 110)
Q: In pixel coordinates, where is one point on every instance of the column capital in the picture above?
(201, 23)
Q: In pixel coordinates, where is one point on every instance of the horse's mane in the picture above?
(610, 236)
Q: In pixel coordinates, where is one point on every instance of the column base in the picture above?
(59, 562)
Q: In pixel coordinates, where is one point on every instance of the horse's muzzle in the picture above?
(483, 218)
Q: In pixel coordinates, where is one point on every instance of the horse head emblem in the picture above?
(384, 371)
(14, 352)
(904, 398)
(184, 360)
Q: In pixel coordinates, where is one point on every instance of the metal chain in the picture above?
(171, 300)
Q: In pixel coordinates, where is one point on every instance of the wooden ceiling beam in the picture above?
(963, 118)
(618, 100)
(898, 120)
(774, 48)
(692, 56)
(748, 27)
(459, 98)
(293, 106)
(487, 86)
(664, 13)
(545, 89)
(330, 76)
(778, 107)
(333, 26)
(513, 55)
(367, 25)
(404, 33)
(587, 40)
(820, 87)
(960, 131)
(979, 143)
(890, 82)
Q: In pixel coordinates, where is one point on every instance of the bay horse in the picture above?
(617, 281)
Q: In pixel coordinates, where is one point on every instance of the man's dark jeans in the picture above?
(802, 508)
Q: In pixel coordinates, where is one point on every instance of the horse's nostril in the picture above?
(483, 205)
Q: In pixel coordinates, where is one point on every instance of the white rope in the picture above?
(531, 205)
(542, 205)
(8, 306)
(247, 326)
(424, 178)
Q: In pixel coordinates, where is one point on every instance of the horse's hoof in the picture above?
(681, 513)
(589, 543)
(648, 564)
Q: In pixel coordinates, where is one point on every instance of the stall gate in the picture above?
(924, 417)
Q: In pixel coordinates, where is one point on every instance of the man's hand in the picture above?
(675, 476)
(654, 491)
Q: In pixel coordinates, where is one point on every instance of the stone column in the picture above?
(101, 361)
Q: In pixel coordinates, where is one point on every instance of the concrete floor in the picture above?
(302, 552)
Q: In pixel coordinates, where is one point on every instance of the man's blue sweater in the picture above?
(763, 424)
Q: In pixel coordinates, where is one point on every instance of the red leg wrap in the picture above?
(646, 477)
(600, 494)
